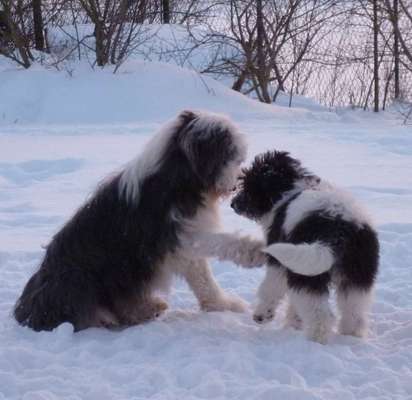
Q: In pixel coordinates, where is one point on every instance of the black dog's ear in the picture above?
(187, 116)
(275, 172)
(208, 145)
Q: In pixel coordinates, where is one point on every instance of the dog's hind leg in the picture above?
(354, 305)
(139, 308)
(315, 312)
(210, 295)
(270, 293)
(292, 319)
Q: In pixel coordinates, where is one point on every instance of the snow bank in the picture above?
(138, 92)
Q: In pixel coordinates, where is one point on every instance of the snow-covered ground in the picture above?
(59, 136)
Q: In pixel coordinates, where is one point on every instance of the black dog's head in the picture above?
(197, 152)
(214, 147)
(270, 177)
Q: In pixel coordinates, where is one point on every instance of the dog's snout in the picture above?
(233, 204)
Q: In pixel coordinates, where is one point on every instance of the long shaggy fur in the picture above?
(104, 265)
(317, 235)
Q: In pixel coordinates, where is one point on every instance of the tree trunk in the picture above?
(396, 47)
(261, 74)
(14, 35)
(38, 25)
(102, 57)
(375, 56)
(238, 84)
(166, 11)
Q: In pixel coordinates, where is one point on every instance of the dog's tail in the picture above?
(49, 300)
(308, 259)
(31, 308)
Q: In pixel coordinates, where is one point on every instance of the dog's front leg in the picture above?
(210, 295)
(241, 250)
(270, 293)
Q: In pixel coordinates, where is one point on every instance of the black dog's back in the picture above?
(110, 249)
(355, 247)
(98, 257)
(106, 258)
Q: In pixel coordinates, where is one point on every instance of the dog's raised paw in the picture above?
(251, 255)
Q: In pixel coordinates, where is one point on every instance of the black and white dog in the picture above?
(317, 236)
(104, 266)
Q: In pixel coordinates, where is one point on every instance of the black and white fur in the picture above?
(317, 235)
(105, 264)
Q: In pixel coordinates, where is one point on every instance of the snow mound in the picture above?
(139, 91)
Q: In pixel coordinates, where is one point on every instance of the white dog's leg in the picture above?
(354, 306)
(271, 291)
(241, 250)
(292, 319)
(209, 294)
(315, 313)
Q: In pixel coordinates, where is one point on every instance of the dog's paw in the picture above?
(145, 312)
(105, 319)
(263, 314)
(293, 321)
(235, 303)
(320, 331)
(249, 253)
(256, 257)
(357, 327)
(226, 302)
(319, 335)
(159, 307)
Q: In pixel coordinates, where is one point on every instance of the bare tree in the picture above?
(14, 44)
(403, 35)
(116, 27)
(357, 53)
(270, 39)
